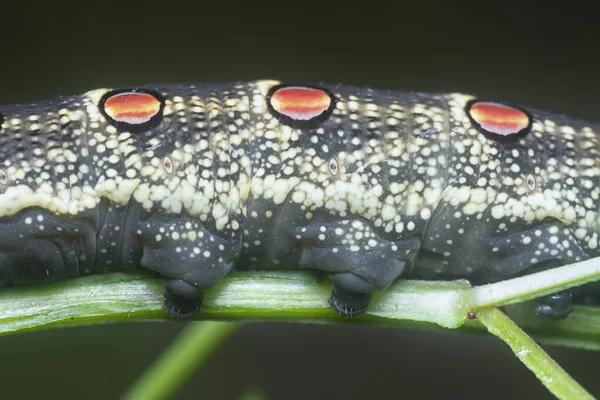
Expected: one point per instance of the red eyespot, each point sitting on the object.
(300, 105)
(132, 108)
(498, 119)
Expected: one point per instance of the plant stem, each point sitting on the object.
(188, 351)
(288, 296)
(528, 287)
(557, 380)
(301, 297)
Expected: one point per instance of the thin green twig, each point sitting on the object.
(556, 379)
(518, 290)
(254, 394)
(187, 352)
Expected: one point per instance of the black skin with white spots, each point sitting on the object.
(385, 185)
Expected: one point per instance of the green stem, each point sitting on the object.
(301, 297)
(254, 394)
(172, 369)
(287, 296)
(518, 290)
(557, 380)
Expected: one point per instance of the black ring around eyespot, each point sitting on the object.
(296, 123)
(510, 138)
(125, 126)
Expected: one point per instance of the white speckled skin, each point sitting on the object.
(390, 184)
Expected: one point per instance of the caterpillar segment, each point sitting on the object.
(366, 186)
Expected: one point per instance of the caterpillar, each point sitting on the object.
(366, 186)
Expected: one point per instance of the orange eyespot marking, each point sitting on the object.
(300, 105)
(498, 119)
(132, 108)
(300, 102)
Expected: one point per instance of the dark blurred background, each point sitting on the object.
(540, 56)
